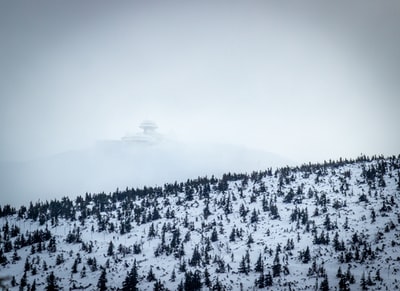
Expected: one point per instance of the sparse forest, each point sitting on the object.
(328, 226)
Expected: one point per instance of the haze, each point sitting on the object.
(308, 80)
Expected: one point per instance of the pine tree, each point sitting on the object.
(378, 275)
(15, 256)
(339, 273)
(276, 267)
(23, 282)
(324, 284)
(192, 281)
(158, 286)
(101, 283)
(3, 258)
(369, 280)
(74, 268)
(196, 257)
(173, 275)
(243, 212)
(150, 275)
(52, 247)
(254, 216)
(152, 231)
(110, 250)
(83, 272)
(268, 280)
(260, 282)
(243, 266)
(306, 257)
(259, 267)
(250, 240)
(206, 211)
(217, 286)
(27, 266)
(232, 235)
(131, 280)
(214, 235)
(207, 280)
(363, 282)
(52, 283)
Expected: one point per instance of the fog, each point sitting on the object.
(110, 165)
(307, 81)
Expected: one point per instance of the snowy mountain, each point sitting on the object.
(329, 226)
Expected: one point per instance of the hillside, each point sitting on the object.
(329, 226)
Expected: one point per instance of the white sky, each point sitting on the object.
(307, 81)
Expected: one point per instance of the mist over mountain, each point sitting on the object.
(109, 165)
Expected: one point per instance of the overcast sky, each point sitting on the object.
(306, 80)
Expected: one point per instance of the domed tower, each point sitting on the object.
(148, 126)
(148, 136)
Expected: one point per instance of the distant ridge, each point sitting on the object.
(119, 164)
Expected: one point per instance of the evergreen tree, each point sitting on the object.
(33, 287)
(23, 282)
(52, 283)
(324, 284)
(101, 283)
(74, 268)
(217, 286)
(207, 280)
(259, 267)
(52, 247)
(243, 212)
(158, 286)
(276, 267)
(150, 275)
(250, 240)
(305, 256)
(369, 280)
(339, 273)
(15, 256)
(110, 250)
(83, 272)
(378, 275)
(173, 275)
(3, 258)
(59, 259)
(232, 235)
(243, 266)
(254, 216)
(192, 281)
(206, 211)
(27, 265)
(196, 257)
(363, 282)
(268, 280)
(214, 235)
(260, 282)
(152, 231)
(131, 280)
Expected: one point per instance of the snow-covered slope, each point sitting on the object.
(331, 226)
